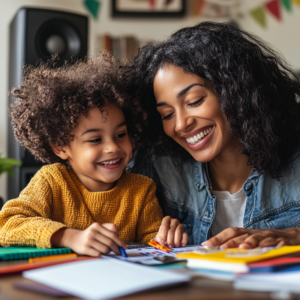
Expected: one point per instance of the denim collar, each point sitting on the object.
(201, 177)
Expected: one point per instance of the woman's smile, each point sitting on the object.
(199, 138)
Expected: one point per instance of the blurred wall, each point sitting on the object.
(282, 35)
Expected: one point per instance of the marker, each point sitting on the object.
(159, 246)
(123, 252)
(45, 258)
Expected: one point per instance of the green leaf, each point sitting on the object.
(6, 165)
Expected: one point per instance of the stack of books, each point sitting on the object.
(263, 269)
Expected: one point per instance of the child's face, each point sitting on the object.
(101, 148)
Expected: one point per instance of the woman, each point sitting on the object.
(221, 109)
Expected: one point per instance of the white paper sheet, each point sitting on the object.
(146, 255)
(103, 278)
(282, 281)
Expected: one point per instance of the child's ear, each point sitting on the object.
(60, 151)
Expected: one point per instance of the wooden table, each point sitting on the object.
(198, 288)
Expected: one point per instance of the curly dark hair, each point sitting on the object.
(257, 90)
(48, 104)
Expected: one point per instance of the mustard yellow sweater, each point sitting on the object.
(55, 198)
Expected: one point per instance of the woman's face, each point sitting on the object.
(191, 113)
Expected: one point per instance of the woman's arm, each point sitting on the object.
(252, 238)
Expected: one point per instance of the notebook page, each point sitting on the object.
(103, 278)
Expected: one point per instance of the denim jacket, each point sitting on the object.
(183, 193)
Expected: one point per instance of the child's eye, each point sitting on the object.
(120, 135)
(95, 140)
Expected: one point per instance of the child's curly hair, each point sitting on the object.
(48, 104)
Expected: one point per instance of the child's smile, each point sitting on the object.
(110, 164)
(101, 148)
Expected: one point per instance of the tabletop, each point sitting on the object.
(199, 288)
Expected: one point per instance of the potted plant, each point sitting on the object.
(6, 165)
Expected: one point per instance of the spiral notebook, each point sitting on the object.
(12, 253)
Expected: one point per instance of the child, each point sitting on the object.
(76, 119)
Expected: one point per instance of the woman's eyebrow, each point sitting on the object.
(180, 94)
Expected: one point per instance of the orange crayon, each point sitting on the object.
(44, 258)
(159, 246)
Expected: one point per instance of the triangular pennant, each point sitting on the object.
(297, 2)
(274, 8)
(93, 7)
(259, 16)
(287, 4)
(152, 3)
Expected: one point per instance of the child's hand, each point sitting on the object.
(97, 239)
(171, 233)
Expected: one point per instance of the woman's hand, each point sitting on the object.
(97, 239)
(171, 233)
(251, 238)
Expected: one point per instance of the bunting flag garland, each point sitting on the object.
(259, 16)
(274, 8)
(287, 4)
(93, 6)
(297, 2)
(198, 7)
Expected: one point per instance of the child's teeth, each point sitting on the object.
(199, 136)
(110, 162)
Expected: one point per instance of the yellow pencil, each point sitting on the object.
(36, 259)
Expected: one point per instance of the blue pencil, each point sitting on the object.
(123, 252)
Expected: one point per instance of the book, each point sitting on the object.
(275, 265)
(234, 260)
(31, 266)
(121, 47)
(104, 278)
(11, 253)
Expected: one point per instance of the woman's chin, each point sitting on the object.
(203, 155)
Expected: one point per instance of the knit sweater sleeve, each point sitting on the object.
(26, 220)
(150, 216)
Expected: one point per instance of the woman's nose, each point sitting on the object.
(182, 121)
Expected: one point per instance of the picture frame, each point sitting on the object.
(143, 9)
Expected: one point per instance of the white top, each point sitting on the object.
(230, 210)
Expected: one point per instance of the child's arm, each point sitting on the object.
(26, 219)
(97, 239)
(152, 224)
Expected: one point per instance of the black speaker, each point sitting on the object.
(37, 34)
